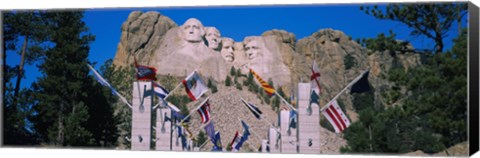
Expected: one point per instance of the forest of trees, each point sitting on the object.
(432, 115)
(65, 106)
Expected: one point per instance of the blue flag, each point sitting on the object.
(313, 99)
(217, 145)
(210, 130)
(181, 134)
(244, 137)
(292, 120)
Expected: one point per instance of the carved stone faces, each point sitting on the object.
(192, 30)
(213, 37)
(227, 49)
(253, 48)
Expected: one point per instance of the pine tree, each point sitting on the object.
(433, 20)
(232, 71)
(63, 93)
(32, 30)
(228, 81)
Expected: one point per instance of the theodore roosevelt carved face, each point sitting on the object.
(227, 49)
(192, 30)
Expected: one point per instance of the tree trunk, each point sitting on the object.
(370, 136)
(60, 130)
(20, 70)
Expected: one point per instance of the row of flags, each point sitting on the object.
(195, 87)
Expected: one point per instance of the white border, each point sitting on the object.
(87, 4)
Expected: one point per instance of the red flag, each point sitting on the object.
(145, 72)
(336, 117)
(315, 75)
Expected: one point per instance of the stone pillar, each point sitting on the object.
(163, 129)
(274, 141)
(289, 139)
(264, 145)
(308, 124)
(141, 115)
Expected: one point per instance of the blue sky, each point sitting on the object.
(239, 22)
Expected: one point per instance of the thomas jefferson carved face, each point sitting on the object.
(253, 48)
(192, 30)
(227, 49)
(213, 37)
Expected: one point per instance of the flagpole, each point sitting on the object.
(191, 112)
(285, 101)
(313, 72)
(204, 143)
(262, 117)
(164, 99)
(99, 77)
(344, 89)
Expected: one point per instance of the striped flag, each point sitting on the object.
(204, 112)
(336, 117)
(266, 87)
(315, 76)
(194, 86)
(256, 112)
(159, 90)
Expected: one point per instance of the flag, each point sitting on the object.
(336, 117)
(181, 135)
(292, 121)
(362, 84)
(144, 72)
(266, 87)
(104, 82)
(256, 112)
(313, 99)
(194, 86)
(178, 116)
(159, 90)
(233, 143)
(173, 107)
(166, 119)
(217, 145)
(210, 130)
(315, 75)
(243, 138)
(204, 112)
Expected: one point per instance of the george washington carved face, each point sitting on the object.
(213, 37)
(192, 30)
(227, 49)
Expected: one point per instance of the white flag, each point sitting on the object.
(194, 86)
